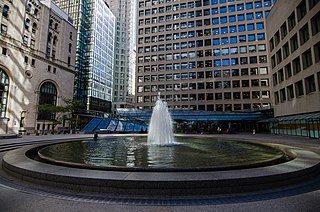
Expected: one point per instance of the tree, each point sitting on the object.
(60, 114)
(72, 109)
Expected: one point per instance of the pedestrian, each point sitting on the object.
(95, 136)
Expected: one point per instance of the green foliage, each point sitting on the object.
(62, 113)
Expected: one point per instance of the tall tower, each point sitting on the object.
(203, 55)
(95, 51)
(124, 69)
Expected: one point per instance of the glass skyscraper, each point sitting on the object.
(95, 51)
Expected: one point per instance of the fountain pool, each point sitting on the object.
(188, 153)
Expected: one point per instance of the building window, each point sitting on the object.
(299, 88)
(296, 65)
(294, 43)
(4, 51)
(304, 34)
(263, 59)
(26, 59)
(316, 48)
(36, 12)
(249, 6)
(25, 40)
(263, 70)
(27, 24)
(262, 47)
(279, 57)
(283, 30)
(5, 11)
(47, 96)
(70, 47)
(275, 79)
(315, 24)
(310, 84)
(260, 26)
(4, 29)
(4, 90)
(280, 76)
(312, 3)
(240, 17)
(249, 16)
(34, 27)
(283, 96)
(290, 92)
(288, 71)
(273, 61)
(277, 38)
(286, 51)
(291, 21)
(318, 76)
(276, 97)
(55, 39)
(301, 10)
(261, 36)
(306, 59)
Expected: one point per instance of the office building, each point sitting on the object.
(37, 59)
(125, 52)
(95, 25)
(203, 55)
(294, 39)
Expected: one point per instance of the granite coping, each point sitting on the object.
(305, 164)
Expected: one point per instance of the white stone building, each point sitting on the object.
(37, 59)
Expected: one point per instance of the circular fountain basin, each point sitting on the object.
(186, 154)
(158, 183)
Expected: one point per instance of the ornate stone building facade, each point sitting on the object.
(37, 63)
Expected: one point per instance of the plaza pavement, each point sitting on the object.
(304, 197)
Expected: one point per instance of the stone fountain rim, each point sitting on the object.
(305, 165)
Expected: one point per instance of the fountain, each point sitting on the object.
(156, 153)
(136, 165)
(114, 163)
(160, 128)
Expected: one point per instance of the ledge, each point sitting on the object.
(304, 166)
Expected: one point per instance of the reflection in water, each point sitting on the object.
(134, 152)
(160, 156)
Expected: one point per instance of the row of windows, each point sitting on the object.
(204, 85)
(191, 23)
(217, 107)
(210, 63)
(294, 67)
(286, 49)
(298, 89)
(222, 9)
(207, 52)
(201, 74)
(207, 32)
(199, 3)
(209, 96)
(207, 42)
(291, 22)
